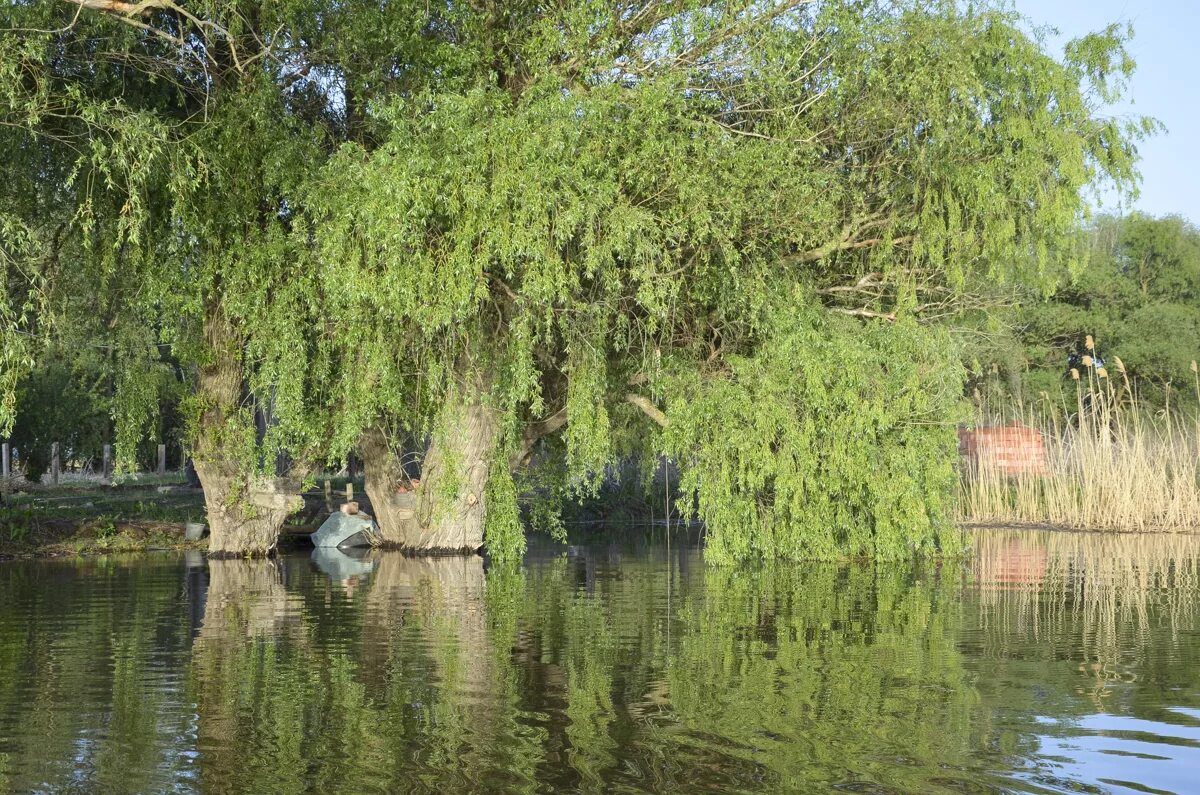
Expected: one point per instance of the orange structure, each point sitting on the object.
(1015, 448)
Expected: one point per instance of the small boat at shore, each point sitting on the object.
(347, 528)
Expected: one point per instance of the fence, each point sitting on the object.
(1014, 449)
(56, 470)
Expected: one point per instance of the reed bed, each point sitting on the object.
(1111, 463)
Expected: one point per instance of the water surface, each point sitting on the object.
(1043, 662)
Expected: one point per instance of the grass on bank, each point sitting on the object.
(83, 516)
(99, 535)
(84, 519)
(1111, 463)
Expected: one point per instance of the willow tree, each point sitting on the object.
(499, 234)
(158, 151)
(715, 231)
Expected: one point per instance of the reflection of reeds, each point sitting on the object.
(1110, 464)
(1101, 592)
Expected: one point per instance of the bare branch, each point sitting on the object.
(126, 9)
(649, 409)
(864, 312)
(129, 14)
(845, 244)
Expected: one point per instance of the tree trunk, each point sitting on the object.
(245, 510)
(245, 514)
(447, 510)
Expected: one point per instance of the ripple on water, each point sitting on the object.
(1046, 662)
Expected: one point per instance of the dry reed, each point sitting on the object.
(1110, 464)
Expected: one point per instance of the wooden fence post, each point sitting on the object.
(55, 464)
(106, 462)
(162, 459)
(5, 460)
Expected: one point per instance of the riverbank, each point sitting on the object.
(87, 518)
(84, 518)
(101, 536)
(1104, 461)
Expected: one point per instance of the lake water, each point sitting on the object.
(1042, 662)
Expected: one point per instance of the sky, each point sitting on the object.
(1166, 86)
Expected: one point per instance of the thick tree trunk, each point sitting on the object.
(245, 510)
(446, 512)
(245, 514)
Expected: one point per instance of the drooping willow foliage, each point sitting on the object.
(828, 439)
(719, 231)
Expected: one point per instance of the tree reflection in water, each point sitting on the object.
(1025, 667)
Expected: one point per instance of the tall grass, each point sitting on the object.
(1111, 463)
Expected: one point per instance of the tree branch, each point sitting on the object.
(126, 9)
(846, 244)
(890, 316)
(535, 431)
(129, 12)
(649, 409)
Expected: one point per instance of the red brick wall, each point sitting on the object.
(1014, 448)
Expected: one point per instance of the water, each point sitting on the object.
(1042, 663)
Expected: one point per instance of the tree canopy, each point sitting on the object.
(522, 239)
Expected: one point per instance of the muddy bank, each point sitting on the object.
(97, 536)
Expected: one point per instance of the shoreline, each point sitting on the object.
(100, 535)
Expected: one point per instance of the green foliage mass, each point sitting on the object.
(593, 219)
(18, 300)
(828, 440)
(52, 406)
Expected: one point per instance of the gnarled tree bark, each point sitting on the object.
(447, 510)
(245, 510)
(245, 514)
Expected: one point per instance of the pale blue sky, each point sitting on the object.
(1166, 46)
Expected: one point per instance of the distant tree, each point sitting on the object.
(53, 405)
(1138, 297)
